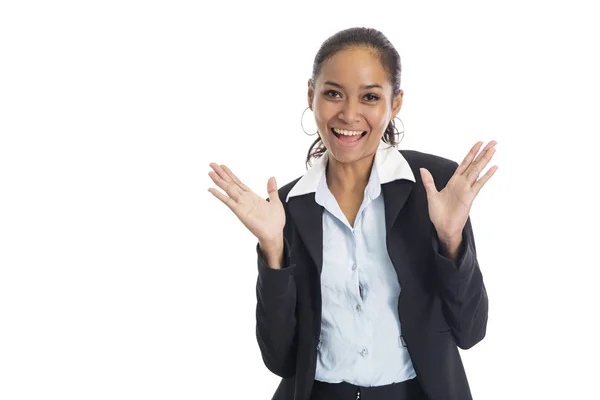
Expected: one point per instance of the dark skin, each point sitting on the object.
(353, 93)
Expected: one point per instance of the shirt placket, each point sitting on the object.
(358, 287)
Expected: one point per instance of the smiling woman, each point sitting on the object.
(355, 80)
(368, 279)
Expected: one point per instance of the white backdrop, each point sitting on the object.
(121, 277)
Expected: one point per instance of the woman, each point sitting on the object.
(368, 279)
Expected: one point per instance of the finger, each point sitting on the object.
(468, 159)
(234, 178)
(482, 181)
(226, 175)
(483, 152)
(479, 165)
(230, 188)
(228, 201)
(428, 182)
(272, 190)
(221, 172)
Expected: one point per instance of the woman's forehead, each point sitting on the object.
(354, 68)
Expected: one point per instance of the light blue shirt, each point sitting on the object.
(361, 337)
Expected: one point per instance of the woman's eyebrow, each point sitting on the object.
(371, 86)
(337, 85)
(362, 87)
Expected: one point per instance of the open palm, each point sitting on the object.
(450, 207)
(265, 219)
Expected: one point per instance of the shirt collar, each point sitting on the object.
(389, 165)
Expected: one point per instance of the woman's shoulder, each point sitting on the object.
(435, 164)
(423, 160)
(285, 190)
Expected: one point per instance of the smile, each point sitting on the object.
(348, 136)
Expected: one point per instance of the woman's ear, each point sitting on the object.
(311, 94)
(397, 104)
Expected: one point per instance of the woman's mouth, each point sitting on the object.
(348, 136)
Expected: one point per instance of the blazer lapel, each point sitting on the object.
(395, 194)
(308, 217)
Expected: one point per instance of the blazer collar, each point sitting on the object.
(389, 165)
(395, 175)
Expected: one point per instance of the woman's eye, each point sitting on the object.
(371, 97)
(332, 93)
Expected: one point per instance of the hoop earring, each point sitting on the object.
(302, 124)
(399, 133)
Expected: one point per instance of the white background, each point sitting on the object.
(121, 277)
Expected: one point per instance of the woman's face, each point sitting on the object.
(352, 103)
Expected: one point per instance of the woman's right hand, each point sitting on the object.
(265, 219)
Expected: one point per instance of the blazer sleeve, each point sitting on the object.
(465, 301)
(276, 315)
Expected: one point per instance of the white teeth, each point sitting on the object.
(347, 133)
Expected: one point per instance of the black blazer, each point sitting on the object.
(442, 305)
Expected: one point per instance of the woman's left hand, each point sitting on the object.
(450, 207)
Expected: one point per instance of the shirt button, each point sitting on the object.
(363, 352)
(358, 307)
(353, 267)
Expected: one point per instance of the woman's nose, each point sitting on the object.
(349, 112)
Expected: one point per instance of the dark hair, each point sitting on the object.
(388, 56)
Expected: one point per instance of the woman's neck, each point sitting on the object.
(349, 178)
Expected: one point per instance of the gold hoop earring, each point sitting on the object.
(302, 124)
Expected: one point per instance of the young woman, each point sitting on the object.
(368, 279)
